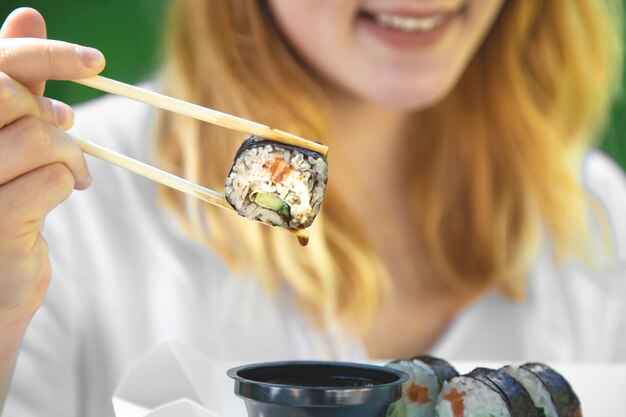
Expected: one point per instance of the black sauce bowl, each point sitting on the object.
(317, 389)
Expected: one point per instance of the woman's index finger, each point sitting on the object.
(31, 61)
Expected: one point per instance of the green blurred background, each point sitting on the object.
(128, 33)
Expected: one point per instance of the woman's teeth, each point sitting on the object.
(409, 23)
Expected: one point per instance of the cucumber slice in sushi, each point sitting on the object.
(277, 184)
(270, 201)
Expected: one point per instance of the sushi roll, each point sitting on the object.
(277, 184)
(551, 393)
(485, 393)
(419, 393)
(442, 369)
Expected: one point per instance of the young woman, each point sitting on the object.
(465, 216)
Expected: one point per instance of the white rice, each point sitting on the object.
(480, 400)
(538, 392)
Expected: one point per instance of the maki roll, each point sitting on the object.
(419, 393)
(277, 184)
(442, 369)
(551, 393)
(485, 393)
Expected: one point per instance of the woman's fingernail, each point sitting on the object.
(90, 57)
(84, 182)
(63, 114)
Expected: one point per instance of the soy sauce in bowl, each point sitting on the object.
(329, 382)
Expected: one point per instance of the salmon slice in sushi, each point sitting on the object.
(485, 393)
(419, 393)
(552, 394)
(277, 184)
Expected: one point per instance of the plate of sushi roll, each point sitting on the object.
(435, 389)
(276, 183)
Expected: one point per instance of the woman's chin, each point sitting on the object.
(410, 100)
(413, 94)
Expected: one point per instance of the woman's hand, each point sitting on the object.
(39, 164)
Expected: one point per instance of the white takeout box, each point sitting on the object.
(181, 408)
(172, 380)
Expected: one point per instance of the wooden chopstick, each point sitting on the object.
(198, 112)
(155, 174)
(165, 178)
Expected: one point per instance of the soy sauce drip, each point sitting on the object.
(302, 235)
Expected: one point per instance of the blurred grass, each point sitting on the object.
(614, 141)
(126, 31)
(129, 33)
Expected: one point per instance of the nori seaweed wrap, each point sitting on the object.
(277, 184)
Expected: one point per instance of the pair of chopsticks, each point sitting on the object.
(197, 112)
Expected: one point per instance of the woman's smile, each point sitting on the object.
(407, 28)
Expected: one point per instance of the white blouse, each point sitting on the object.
(126, 278)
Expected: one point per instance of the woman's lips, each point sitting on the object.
(405, 29)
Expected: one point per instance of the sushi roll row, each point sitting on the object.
(435, 389)
(277, 184)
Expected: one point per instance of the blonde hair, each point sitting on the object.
(481, 188)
